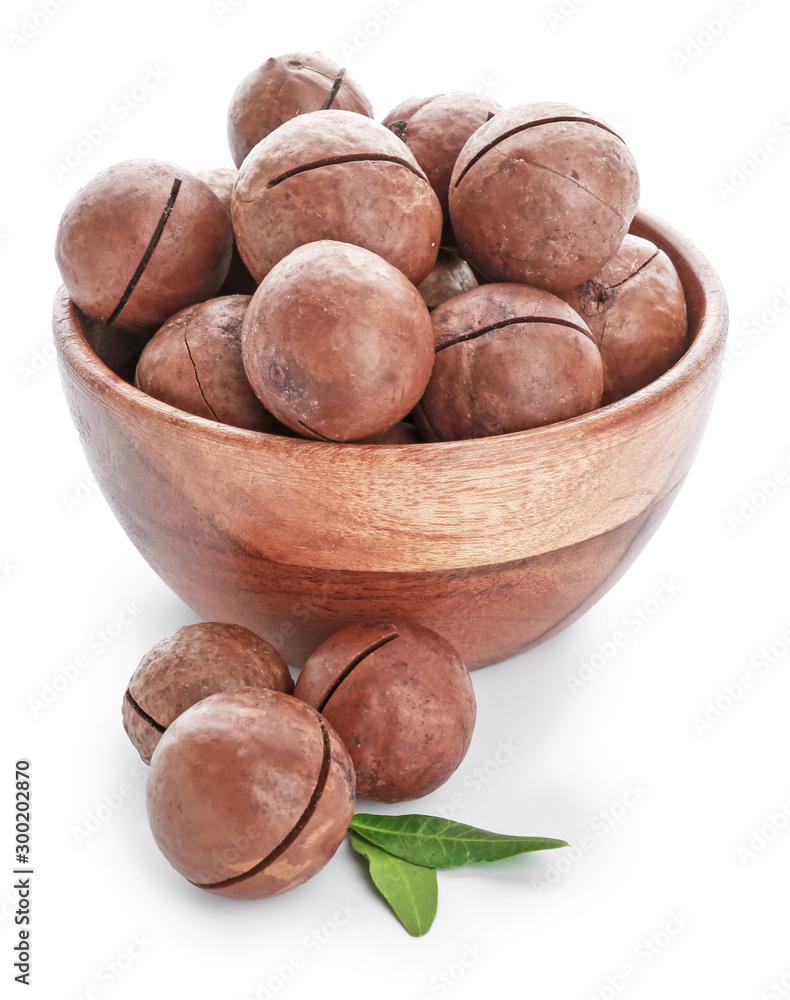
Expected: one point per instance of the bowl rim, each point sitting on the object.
(710, 319)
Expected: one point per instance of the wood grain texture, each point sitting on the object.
(495, 543)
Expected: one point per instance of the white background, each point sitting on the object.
(681, 888)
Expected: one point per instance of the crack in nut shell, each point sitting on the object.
(543, 194)
(335, 175)
(401, 700)
(194, 662)
(508, 357)
(286, 86)
(250, 793)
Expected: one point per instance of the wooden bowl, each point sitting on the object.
(496, 543)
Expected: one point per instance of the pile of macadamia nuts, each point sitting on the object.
(458, 271)
(253, 780)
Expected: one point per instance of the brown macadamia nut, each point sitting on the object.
(334, 175)
(337, 343)
(194, 362)
(238, 280)
(140, 241)
(508, 357)
(194, 662)
(636, 310)
(286, 86)
(450, 276)
(401, 700)
(543, 193)
(250, 793)
(436, 130)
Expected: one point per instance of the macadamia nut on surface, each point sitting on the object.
(250, 793)
(194, 662)
(401, 700)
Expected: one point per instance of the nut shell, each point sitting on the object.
(194, 662)
(401, 700)
(509, 357)
(636, 310)
(283, 87)
(335, 175)
(543, 193)
(122, 214)
(437, 129)
(337, 343)
(194, 362)
(250, 793)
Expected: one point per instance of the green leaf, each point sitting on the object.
(442, 843)
(411, 890)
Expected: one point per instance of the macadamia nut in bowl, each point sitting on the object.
(496, 543)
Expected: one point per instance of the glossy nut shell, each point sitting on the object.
(250, 793)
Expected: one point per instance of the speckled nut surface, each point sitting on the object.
(286, 86)
(250, 793)
(194, 662)
(436, 130)
(450, 276)
(194, 362)
(140, 241)
(335, 175)
(636, 310)
(543, 193)
(401, 700)
(508, 357)
(337, 343)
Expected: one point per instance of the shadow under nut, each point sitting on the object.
(250, 793)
